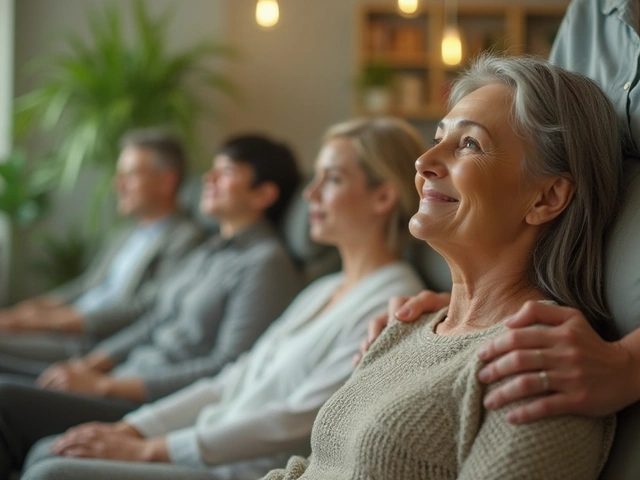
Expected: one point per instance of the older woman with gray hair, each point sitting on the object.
(517, 194)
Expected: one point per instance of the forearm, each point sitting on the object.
(44, 317)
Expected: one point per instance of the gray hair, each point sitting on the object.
(571, 129)
(168, 152)
(387, 150)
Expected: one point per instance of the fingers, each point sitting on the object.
(375, 328)
(535, 312)
(373, 331)
(47, 377)
(90, 427)
(55, 378)
(88, 436)
(514, 362)
(426, 301)
(522, 386)
(77, 451)
(69, 441)
(125, 428)
(396, 303)
(543, 407)
(524, 338)
(404, 308)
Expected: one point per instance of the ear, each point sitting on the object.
(265, 195)
(554, 196)
(385, 198)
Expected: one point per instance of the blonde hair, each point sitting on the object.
(387, 149)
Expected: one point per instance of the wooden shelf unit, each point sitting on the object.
(411, 47)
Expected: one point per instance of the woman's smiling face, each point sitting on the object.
(471, 183)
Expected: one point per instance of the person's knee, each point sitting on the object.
(39, 452)
(50, 469)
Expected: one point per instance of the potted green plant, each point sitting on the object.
(64, 256)
(97, 89)
(24, 198)
(375, 83)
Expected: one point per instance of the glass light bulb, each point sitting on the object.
(267, 13)
(451, 46)
(408, 7)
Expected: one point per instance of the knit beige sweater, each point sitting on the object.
(413, 410)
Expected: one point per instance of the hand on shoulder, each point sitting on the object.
(580, 372)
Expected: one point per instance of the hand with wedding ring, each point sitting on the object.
(567, 367)
(545, 379)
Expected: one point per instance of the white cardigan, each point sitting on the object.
(265, 403)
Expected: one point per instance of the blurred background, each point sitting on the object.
(322, 62)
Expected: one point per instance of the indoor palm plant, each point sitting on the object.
(97, 89)
(24, 198)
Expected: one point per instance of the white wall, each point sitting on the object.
(297, 77)
(6, 76)
(6, 93)
(41, 23)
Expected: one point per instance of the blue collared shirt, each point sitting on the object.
(599, 39)
(126, 261)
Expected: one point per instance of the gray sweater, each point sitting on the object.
(211, 310)
(413, 410)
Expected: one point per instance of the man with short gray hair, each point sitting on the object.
(121, 283)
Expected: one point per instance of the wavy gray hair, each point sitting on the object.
(570, 128)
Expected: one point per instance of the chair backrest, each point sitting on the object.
(623, 295)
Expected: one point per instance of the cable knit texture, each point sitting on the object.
(413, 410)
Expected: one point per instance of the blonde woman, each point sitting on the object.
(258, 411)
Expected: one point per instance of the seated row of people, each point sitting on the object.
(503, 195)
(121, 283)
(262, 406)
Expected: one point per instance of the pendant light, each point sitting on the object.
(408, 8)
(267, 13)
(451, 42)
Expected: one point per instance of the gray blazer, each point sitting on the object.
(160, 260)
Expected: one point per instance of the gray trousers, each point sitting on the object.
(31, 353)
(42, 464)
(62, 468)
(28, 414)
